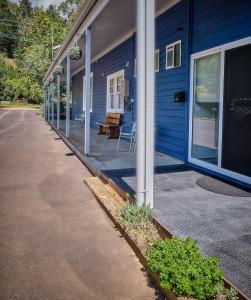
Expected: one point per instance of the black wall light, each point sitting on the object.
(180, 96)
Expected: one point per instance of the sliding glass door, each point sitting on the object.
(220, 110)
(206, 101)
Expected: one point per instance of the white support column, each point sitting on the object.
(87, 90)
(45, 99)
(49, 104)
(68, 87)
(58, 101)
(52, 102)
(145, 100)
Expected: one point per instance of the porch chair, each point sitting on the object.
(131, 134)
(79, 118)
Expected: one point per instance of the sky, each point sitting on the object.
(44, 3)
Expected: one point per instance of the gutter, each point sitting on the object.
(83, 13)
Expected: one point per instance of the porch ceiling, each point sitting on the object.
(117, 20)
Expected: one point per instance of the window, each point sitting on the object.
(173, 55)
(91, 90)
(156, 60)
(156, 63)
(115, 92)
(135, 67)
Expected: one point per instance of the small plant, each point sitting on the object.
(75, 53)
(223, 293)
(137, 221)
(183, 269)
(131, 214)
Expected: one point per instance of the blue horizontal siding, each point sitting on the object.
(219, 22)
(170, 118)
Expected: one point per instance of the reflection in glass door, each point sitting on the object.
(220, 110)
(206, 99)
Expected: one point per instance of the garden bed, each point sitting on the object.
(139, 240)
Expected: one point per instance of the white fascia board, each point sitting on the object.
(77, 30)
(124, 37)
(89, 20)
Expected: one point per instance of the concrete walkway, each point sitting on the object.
(56, 241)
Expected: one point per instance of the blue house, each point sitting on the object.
(198, 103)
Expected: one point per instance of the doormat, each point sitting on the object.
(217, 186)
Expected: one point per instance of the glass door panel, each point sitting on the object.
(206, 99)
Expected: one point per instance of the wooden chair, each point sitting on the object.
(110, 125)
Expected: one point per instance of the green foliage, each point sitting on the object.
(131, 213)
(137, 221)
(223, 293)
(183, 269)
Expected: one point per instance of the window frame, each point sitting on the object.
(158, 66)
(91, 90)
(109, 77)
(157, 51)
(173, 54)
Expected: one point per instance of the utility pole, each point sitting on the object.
(52, 42)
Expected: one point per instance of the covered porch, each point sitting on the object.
(186, 201)
(104, 153)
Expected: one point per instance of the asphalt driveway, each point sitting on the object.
(56, 242)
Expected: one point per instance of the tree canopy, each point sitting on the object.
(27, 35)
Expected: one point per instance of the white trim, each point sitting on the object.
(135, 68)
(227, 46)
(84, 85)
(107, 50)
(167, 49)
(158, 67)
(216, 168)
(123, 38)
(156, 70)
(81, 29)
(109, 77)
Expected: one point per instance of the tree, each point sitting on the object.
(25, 8)
(52, 11)
(9, 27)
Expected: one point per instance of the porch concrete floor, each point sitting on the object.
(221, 224)
(104, 154)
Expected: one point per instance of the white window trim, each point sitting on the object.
(113, 75)
(84, 87)
(135, 68)
(216, 168)
(169, 46)
(156, 69)
(157, 52)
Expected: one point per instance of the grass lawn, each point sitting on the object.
(18, 105)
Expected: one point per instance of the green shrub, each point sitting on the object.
(131, 214)
(183, 269)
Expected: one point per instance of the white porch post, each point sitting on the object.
(52, 102)
(68, 86)
(58, 101)
(87, 90)
(49, 104)
(45, 96)
(145, 100)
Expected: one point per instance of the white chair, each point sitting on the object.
(130, 134)
(79, 118)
